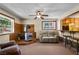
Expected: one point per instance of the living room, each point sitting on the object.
(41, 29)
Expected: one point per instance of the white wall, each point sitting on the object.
(38, 24)
(5, 38)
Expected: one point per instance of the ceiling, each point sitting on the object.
(23, 10)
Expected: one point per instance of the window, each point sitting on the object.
(6, 24)
(49, 25)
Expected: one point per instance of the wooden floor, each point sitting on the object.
(45, 49)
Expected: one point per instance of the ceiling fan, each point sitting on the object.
(39, 14)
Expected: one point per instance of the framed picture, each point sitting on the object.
(49, 25)
(6, 24)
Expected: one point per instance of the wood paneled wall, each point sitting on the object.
(18, 28)
(31, 29)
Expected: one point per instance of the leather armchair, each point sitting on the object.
(10, 48)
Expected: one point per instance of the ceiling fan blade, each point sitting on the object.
(35, 18)
(44, 15)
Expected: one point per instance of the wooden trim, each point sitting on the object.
(7, 16)
(5, 34)
(73, 13)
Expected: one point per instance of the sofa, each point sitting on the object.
(49, 36)
(9, 48)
